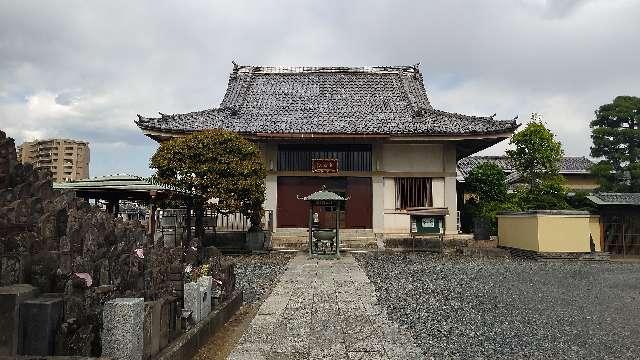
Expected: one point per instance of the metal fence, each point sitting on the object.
(174, 220)
(622, 235)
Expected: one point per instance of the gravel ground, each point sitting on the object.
(463, 307)
(256, 274)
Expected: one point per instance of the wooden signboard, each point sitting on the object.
(325, 166)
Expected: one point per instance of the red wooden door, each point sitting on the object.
(360, 206)
(292, 212)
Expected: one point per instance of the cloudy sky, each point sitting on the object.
(83, 70)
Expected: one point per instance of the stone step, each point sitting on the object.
(304, 231)
(301, 243)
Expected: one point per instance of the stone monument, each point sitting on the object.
(122, 332)
(193, 293)
(205, 282)
(10, 299)
(40, 319)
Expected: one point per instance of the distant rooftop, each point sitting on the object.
(632, 199)
(127, 186)
(569, 165)
(57, 139)
(382, 100)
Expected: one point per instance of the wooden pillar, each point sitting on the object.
(187, 220)
(113, 207)
(152, 219)
(337, 207)
(310, 227)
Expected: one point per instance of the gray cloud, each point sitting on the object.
(84, 70)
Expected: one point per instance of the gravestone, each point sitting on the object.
(168, 320)
(12, 269)
(193, 293)
(205, 282)
(10, 299)
(122, 332)
(152, 315)
(39, 322)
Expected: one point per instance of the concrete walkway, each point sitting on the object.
(324, 309)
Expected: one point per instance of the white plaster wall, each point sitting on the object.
(389, 193)
(271, 197)
(437, 192)
(419, 159)
(377, 184)
(451, 202)
(412, 158)
(396, 223)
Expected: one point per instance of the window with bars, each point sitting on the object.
(351, 157)
(413, 192)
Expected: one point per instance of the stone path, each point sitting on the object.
(324, 309)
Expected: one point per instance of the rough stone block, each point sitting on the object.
(193, 299)
(206, 282)
(39, 322)
(13, 269)
(123, 329)
(10, 299)
(152, 317)
(168, 320)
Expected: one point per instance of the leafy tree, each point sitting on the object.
(615, 132)
(579, 201)
(549, 195)
(218, 165)
(488, 182)
(536, 157)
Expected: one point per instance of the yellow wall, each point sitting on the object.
(548, 233)
(580, 181)
(558, 233)
(520, 232)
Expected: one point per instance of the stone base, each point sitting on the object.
(10, 299)
(39, 321)
(535, 255)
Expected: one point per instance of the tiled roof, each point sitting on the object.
(616, 198)
(130, 183)
(569, 165)
(329, 100)
(323, 195)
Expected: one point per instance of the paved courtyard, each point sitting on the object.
(324, 309)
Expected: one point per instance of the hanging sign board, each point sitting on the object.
(325, 166)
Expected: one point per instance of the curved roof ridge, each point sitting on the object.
(256, 69)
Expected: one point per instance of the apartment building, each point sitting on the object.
(67, 159)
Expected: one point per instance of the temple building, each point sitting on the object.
(368, 133)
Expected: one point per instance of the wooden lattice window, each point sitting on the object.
(413, 192)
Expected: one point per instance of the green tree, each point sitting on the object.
(536, 157)
(615, 132)
(218, 165)
(488, 182)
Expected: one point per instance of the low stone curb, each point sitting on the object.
(187, 345)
